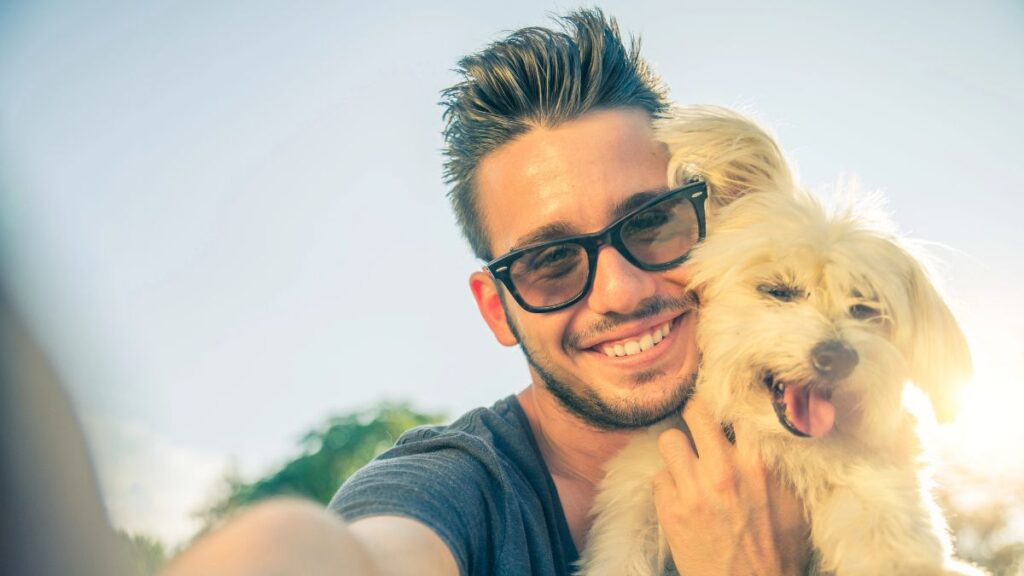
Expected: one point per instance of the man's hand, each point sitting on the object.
(723, 513)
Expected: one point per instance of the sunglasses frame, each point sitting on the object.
(695, 191)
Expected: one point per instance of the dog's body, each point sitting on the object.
(811, 325)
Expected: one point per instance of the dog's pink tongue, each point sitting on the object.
(809, 411)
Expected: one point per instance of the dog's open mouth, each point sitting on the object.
(803, 408)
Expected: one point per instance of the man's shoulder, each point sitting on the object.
(489, 452)
(479, 483)
(496, 426)
(483, 440)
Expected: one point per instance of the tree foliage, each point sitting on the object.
(329, 455)
(146, 555)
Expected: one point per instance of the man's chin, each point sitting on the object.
(648, 396)
(636, 411)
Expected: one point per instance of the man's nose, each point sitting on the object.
(619, 286)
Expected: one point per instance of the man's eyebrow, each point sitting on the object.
(552, 231)
(633, 202)
(563, 229)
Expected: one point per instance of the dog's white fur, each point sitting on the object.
(863, 485)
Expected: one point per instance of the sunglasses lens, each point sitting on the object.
(662, 234)
(550, 275)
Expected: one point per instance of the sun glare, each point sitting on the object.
(987, 434)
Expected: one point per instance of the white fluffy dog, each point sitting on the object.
(811, 324)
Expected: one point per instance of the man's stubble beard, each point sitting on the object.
(589, 407)
(586, 404)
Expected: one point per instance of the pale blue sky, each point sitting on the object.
(187, 190)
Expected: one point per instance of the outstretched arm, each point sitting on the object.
(297, 537)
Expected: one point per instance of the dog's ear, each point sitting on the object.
(728, 150)
(940, 360)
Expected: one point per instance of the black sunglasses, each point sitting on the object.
(658, 235)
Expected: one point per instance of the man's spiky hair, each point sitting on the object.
(537, 77)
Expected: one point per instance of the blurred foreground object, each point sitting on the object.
(53, 522)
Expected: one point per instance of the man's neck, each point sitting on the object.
(571, 448)
(575, 454)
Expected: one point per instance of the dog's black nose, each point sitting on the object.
(833, 359)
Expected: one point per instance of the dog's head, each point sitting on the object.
(818, 319)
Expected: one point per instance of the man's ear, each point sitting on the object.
(488, 301)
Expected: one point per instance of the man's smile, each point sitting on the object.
(634, 345)
(629, 347)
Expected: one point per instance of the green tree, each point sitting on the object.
(146, 555)
(329, 455)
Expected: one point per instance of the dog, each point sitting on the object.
(811, 324)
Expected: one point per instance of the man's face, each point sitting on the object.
(575, 179)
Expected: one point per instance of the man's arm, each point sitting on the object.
(400, 546)
(297, 537)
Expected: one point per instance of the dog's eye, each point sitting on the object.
(780, 292)
(863, 312)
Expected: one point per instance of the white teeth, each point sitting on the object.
(645, 343)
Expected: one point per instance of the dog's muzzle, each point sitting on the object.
(805, 408)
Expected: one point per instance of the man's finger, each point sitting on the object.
(666, 497)
(712, 445)
(679, 458)
(665, 490)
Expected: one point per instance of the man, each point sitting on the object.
(549, 138)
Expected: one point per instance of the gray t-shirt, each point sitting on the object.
(481, 484)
